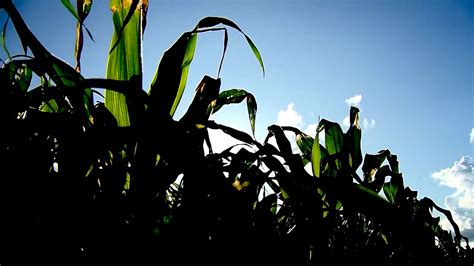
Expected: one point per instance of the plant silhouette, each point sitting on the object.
(125, 181)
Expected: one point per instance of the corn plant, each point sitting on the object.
(125, 180)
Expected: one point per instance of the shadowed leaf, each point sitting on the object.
(252, 110)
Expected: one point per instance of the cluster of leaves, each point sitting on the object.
(125, 180)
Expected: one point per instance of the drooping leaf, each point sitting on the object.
(213, 21)
(228, 97)
(449, 216)
(226, 40)
(379, 178)
(170, 78)
(372, 162)
(303, 141)
(282, 142)
(2, 38)
(305, 144)
(63, 75)
(233, 96)
(237, 134)
(252, 110)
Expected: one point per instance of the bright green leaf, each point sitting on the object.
(124, 62)
(316, 156)
(390, 190)
(67, 4)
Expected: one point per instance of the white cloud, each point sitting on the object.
(354, 100)
(460, 177)
(311, 130)
(471, 136)
(289, 117)
(368, 124)
(346, 121)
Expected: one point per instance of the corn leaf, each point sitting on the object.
(170, 78)
(390, 190)
(352, 139)
(2, 38)
(124, 62)
(171, 75)
(252, 110)
(237, 134)
(373, 162)
(283, 144)
(316, 156)
(229, 97)
(333, 138)
(214, 21)
(63, 75)
(67, 4)
(305, 144)
(206, 92)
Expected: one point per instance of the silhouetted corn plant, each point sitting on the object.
(123, 180)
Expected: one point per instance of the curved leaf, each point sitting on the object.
(373, 162)
(2, 38)
(237, 134)
(252, 110)
(228, 97)
(171, 76)
(282, 142)
(65, 77)
(214, 21)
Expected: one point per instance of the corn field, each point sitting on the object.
(125, 181)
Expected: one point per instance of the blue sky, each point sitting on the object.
(408, 65)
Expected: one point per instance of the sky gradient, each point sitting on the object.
(408, 66)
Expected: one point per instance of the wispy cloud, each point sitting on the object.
(311, 130)
(290, 117)
(471, 136)
(354, 100)
(460, 176)
(368, 124)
